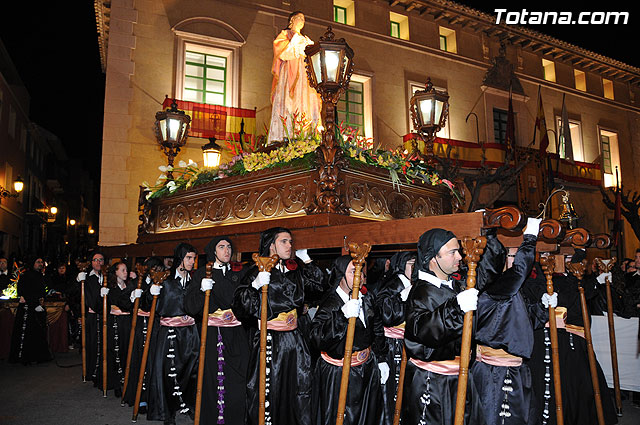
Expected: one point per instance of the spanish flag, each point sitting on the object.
(541, 127)
(221, 122)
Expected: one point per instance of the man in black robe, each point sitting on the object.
(291, 282)
(5, 280)
(227, 349)
(29, 337)
(93, 311)
(368, 370)
(173, 360)
(390, 301)
(434, 320)
(505, 324)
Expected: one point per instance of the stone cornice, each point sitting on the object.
(451, 13)
(103, 17)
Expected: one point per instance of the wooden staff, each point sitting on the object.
(606, 268)
(358, 253)
(577, 269)
(265, 264)
(141, 270)
(83, 334)
(547, 262)
(157, 278)
(403, 366)
(473, 249)
(203, 343)
(105, 304)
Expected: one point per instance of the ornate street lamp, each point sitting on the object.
(429, 110)
(172, 129)
(211, 153)
(568, 215)
(329, 68)
(18, 185)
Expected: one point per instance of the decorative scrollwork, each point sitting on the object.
(243, 205)
(577, 238)
(508, 218)
(376, 201)
(197, 212)
(550, 229)
(601, 241)
(356, 197)
(180, 216)
(268, 203)
(218, 209)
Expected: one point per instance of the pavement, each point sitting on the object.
(53, 393)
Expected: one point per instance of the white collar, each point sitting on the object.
(435, 281)
(405, 280)
(123, 286)
(345, 297)
(6, 272)
(183, 280)
(220, 266)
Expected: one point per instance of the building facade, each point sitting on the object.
(220, 52)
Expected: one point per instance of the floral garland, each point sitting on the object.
(298, 149)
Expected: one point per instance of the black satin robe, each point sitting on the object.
(29, 337)
(328, 334)
(163, 403)
(503, 322)
(142, 324)
(392, 311)
(118, 332)
(235, 351)
(289, 394)
(577, 390)
(93, 325)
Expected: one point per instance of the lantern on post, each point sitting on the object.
(429, 110)
(172, 129)
(329, 68)
(211, 153)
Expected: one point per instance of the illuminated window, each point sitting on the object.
(399, 25)
(575, 127)
(207, 73)
(354, 107)
(607, 85)
(448, 40)
(549, 70)
(344, 12)
(205, 77)
(610, 156)
(581, 80)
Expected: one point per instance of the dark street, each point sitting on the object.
(53, 393)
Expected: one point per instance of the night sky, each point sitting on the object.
(54, 46)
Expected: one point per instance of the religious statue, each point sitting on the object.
(290, 91)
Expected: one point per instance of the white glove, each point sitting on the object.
(104, 292)
(404, 294)
(602, 276)
(384, 372)
(550, 300)
(206, 284)
(136, 293)
(351, 308)
(39, 309)
(468, 299)
(262, 279)
(303, 255)
(533, 226)
(148, 280)
(81, 276)
(155, 290)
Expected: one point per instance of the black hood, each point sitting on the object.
(210, 249)
(429, 245)
(398, 262)
(268, 237)
(179, 253)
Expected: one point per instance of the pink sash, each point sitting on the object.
(143, 313)
(396, 332)
(223, 319)
(177, 321)
(444, 367)
(357, 358)
(496, 357)
(115, 310)
(285, 321)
